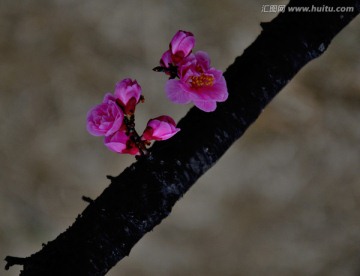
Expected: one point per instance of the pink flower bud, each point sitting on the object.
(105, 118)
(120, 142)
(182, 44)
(160, 128)
(180, 47)
(127, 94)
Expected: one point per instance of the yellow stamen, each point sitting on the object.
(202, 80)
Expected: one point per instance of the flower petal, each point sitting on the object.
(203, 59)
(207, 106)
(186, 46)
(220, 90)
(175, 92)
(166, 60)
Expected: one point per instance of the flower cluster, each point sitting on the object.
(191, 78)
(115, 120)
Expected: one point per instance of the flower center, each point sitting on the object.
(202, 80)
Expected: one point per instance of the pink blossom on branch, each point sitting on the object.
(127, 94)
(180, 47)
(114, 118)
(182, 43)
(105, 118)
(199, 83)
(160, 128)
(121, 142)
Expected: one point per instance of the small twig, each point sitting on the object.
(110, 177)
(14, 261)
(87, 199)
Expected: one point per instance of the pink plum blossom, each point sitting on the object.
(198, 83)
(105, 118)
(160, 128)
(127, 94)
(121, 142)
(180, 47)
(182, 43)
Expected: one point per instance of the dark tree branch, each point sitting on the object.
(87, 199)
(142, 196)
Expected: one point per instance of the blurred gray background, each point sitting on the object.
(284, 200)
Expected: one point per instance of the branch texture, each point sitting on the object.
(143, 195)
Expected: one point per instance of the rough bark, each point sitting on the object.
(143, 195)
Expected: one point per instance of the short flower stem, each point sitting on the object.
(129, 121)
